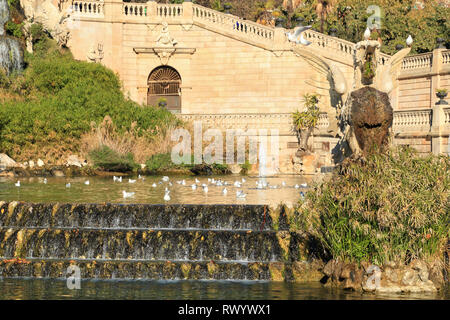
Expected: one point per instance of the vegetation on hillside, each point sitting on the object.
(388, 207)
(59, 106)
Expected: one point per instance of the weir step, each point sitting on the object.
(168, 270)
(217, 217)
(112, 241)
(148, 245)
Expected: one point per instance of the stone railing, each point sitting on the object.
(168, 11)
(135, 9)
(447, 117)
(88, 8)
(410, 120)
(245, 121)
(416, 120)
(419, 61)
(230, 23)
(446, 57)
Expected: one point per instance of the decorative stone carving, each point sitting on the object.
(367, 117)
(95, 53)
(57, 21)
(164, 39)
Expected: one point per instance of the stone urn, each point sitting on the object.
(303, 136)
(441, 95)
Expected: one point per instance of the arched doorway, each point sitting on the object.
(165, 83)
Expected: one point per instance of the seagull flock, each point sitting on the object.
(204, 187)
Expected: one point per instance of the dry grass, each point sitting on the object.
(142, 146)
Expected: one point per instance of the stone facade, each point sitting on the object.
(239, 74)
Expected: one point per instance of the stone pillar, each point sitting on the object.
(437, 126)
(151, 9)
(279, 38)
(187, 10)
(438, 112)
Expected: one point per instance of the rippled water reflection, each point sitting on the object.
(25, 289)
(103, 189)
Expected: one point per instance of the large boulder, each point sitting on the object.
(7, 162)
(371, 118)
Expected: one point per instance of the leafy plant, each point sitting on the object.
(441, 91)
(387, 207)
(307, 119)
(109, 160)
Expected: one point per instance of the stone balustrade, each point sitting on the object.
(233, 24)
(447, 117)
(417, 120)
(135, 9)
(88, 8)
(410, 120)
(446, 57)
(419, 61)
(168, 11)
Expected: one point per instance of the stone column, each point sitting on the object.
(151, 9)
(187, 10)
(438, 119)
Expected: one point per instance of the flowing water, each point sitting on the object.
(104, 189)
(11, 57)
(21, 289)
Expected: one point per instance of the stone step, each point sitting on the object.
(215, 217)
(161, 270)
(263, 246)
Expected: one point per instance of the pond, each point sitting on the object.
(151, 190)
(24, 289)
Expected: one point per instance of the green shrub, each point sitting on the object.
(61, 99)
(245, 167)
(109, 160)
(14, 29)
(391, 207)
(163, 162)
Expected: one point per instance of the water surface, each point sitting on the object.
(103, 189)
(25, 289)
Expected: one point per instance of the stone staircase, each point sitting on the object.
(106, 241)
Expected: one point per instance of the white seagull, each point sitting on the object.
(127, 194)
(224, 191)
(194, 187)
(409, 41)
(68, 185)
(131, 181)
(17, 184)
(165, 179)
(367, 34)
(292, 37)
(154, 185)
(304, 185)
(167, 195)
(303, 41)
(197, 181)
(87, 182)
(45, 180)
(240, 194)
